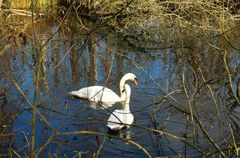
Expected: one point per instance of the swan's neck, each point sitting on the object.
(126, 107)
(125, 96)
(127, 103)
(122, 83)
(122, 94)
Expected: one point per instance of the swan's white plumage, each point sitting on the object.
(121, 118)
(96, 94)
(104, 94)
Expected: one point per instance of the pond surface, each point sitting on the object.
(170, 82)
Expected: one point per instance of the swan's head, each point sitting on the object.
(129, 76)
(123, 87)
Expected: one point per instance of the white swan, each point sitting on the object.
(122, 118)
(104, 94)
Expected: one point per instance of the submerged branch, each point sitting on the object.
(107, 135)
(203, 130)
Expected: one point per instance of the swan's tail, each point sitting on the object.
(75, 94)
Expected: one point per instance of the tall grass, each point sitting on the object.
(26, 4)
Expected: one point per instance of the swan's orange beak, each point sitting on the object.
(135, 81)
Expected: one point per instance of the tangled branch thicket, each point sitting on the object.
(186, 18)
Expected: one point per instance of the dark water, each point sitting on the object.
(101, 59)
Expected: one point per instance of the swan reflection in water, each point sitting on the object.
(123, 134)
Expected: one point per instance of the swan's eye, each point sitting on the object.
(123, 90)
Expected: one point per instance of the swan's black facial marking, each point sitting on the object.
(123, 90)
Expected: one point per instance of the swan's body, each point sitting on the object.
(104, 94)
(122, 118)
(96, 94)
